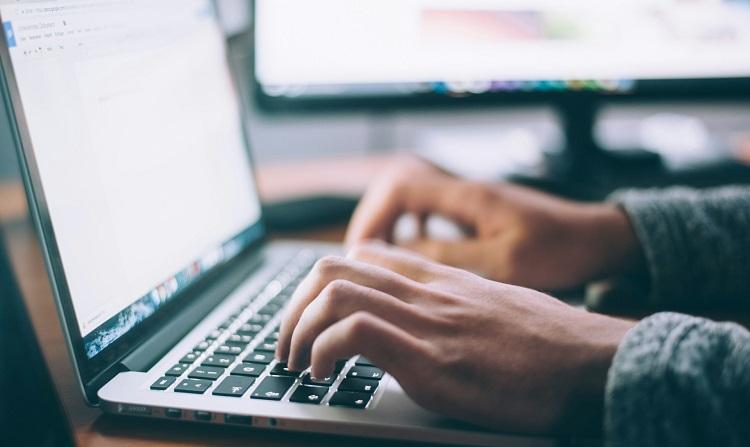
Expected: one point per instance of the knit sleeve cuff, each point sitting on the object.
(678, 380)
(656, 226)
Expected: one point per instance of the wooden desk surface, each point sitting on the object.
(91, 426)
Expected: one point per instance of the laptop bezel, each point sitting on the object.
(94, 372)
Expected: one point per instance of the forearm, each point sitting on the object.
(680, 381)
(696, 244)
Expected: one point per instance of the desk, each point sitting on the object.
(93, 428)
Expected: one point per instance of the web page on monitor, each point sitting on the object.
(332, 42)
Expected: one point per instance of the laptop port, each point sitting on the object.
(202, 416)
(173, 413)
(236, 419)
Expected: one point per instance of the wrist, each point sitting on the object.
(613, 241)
(601, 336)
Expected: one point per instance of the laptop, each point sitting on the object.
(28, 394)
(134, 155)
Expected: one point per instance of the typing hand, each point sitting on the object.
(501, 356)
(516, 235)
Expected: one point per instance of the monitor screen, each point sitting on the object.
(135, 128)
(331, 48)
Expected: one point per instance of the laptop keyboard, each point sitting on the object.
(237, 358)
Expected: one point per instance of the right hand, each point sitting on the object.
(516, 235)
(501, 356)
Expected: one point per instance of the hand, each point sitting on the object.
(516, 235)
(500, 356)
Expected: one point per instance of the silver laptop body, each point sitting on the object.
(132, 145)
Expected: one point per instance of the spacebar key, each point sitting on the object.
(273, 388)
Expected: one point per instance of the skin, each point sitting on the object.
(476, 349)
(515, 234)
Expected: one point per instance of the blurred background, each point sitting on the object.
(486, 139)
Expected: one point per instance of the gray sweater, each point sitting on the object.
(678, 380)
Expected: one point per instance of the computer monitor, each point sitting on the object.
(458, 48)
(397, 53)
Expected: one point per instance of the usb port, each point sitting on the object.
(173, 413)
(235, 419)
(202, 416)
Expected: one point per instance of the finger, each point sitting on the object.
(468, 254)
(405, 262)
(388, 346)
(385, 202)
(332, 268)
(338, 300)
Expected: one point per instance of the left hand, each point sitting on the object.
(492, 354)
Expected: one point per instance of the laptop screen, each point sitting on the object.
(136, 133)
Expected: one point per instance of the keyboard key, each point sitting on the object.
(363, 361)
(163, 383)
(214, 334)
(308, 394)
(273, 336)
(221, 360)
(190, 357)
(359, 385)
(248, 369)
(259, 319)
(239, 340)
(326, 381)
(270, 309)
(365, 372)
(259, 357)
(225, 325)
(202, 346)
(250, 329)
(206, 372)
(194, 386)
(266, 346)
(280, 369)
(340, 365)
(234, 386)
(351, 400)
(273, 388)
(227, 349)
(177, 370)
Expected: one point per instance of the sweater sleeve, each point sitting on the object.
(680, 381)
(696, 244)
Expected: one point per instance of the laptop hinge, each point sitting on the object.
(158, 344)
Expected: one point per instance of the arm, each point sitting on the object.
(680, 381)
(696, 244)
(487, 353)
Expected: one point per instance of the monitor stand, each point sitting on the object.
(585, 170)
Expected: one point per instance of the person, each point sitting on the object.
(461, 326)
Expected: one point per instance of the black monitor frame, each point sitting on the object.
(576, 109)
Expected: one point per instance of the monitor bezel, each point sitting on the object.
(93, 372)
(644, 90)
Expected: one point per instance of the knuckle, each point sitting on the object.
(337, 292)
(359, 326)
(483, 194)
(328, 265)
